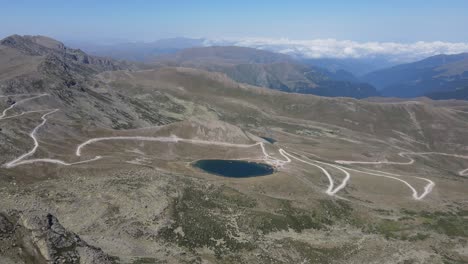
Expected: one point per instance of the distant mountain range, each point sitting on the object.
(434, 76)
(141, 51)
(356, 66)
(272, 70)
(437, 77)
(460, 94)
(148, 51)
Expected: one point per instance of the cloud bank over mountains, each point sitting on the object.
(332, 48)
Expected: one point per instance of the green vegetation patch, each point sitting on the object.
(146, 261)
(450, 226)
(389, 228)
(413, 225)
(310, 254)
(296, 219)
(453, 224)
(202, 218)
(289, 217)
(229, 222)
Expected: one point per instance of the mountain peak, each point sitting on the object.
(33, 45)
(51, 48)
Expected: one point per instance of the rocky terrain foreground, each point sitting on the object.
(97, 167)
(40, 238)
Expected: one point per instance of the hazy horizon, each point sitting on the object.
(361, 21)
(361, 29)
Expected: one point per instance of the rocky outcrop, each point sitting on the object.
(44, 46)
(6, 227)
(27, 45)
(38, 237)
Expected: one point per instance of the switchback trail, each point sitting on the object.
(4, 113)
(267, 158)
(409, 162)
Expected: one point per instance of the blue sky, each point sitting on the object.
(359, 20)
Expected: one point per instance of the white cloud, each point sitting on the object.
(332, 48)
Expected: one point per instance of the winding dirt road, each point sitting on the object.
(267, 158)
(409, 162)
(4, 113)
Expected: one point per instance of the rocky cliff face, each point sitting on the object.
(42, 46)
(68, 77)
(38, 237)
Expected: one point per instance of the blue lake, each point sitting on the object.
(234, 168)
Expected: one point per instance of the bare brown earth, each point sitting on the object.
(143, 201)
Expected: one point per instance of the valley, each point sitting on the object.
(108, 154)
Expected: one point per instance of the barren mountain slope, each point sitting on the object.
(110, 154)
